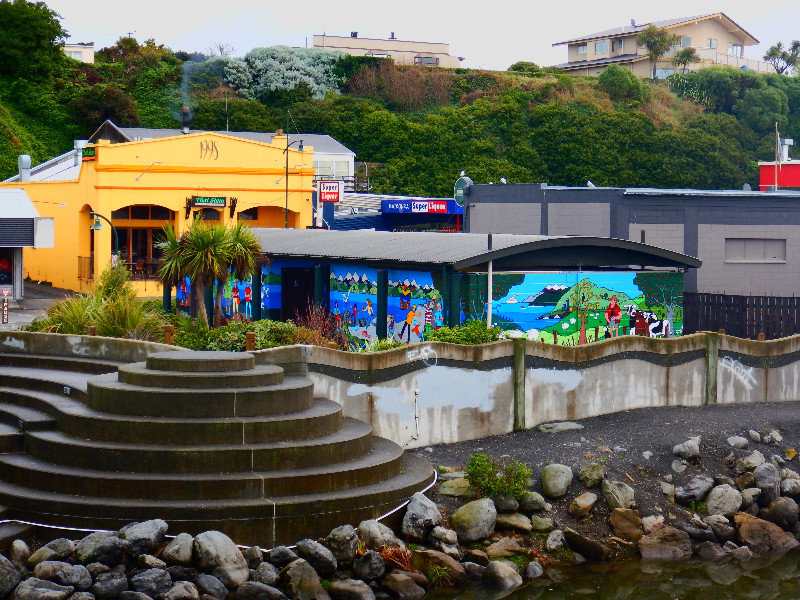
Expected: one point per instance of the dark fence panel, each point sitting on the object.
(741, 316)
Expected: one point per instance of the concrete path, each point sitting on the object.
(37, 299)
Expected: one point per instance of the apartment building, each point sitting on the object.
(81, 51)
(429, 54)
(716, 38)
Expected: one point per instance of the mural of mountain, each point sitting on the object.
(562, 305)
(549, 296)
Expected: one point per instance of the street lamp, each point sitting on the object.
(97, 225)
(286, 175)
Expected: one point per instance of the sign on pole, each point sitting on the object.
(330, 191)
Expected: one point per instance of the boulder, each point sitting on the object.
(376, 535)
(76, 576)
(652, 523)
(474, 521)
(695, 490)
(280, 556)
(421, 516)
(688, 450)
(127, 595)
(458, 488)
(500, 576)
(583, 504)
(153, 582)
(532, 502)
(148, 561)
(101, 546)
(556, 480)
(748, 463)
(477, 556)
(40, 555)
(343, 542)
(350, 589)
(790, 487)
(709, 551)
(318, 556)
(782, 512)
(626, 523)
(505, 504)
(514, 522)
(253, 556)
(182, 590)
(445, 540)
(425, 560)
(216, 554)
(724, 500)
(504, 547)
(541, 523)
(768, 480)
(617, 494)
(254, 590)
(18, 554)
(585, 546)
(10, 576)
(473, 570)
(370, 566)
(533, 570)
(721, 527)
(763, 537)
(591, 475)
(210, 586)
(266, 573)
(555, 540)
(145, 537)
(301, 582)
(402, 587)
(109, 585)
(34, 588)
(179, 573)
(178, 550)
(738, 441)
(666, 545)
(750, 496)
(62, 547)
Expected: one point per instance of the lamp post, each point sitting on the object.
(286, 175)
(97, 226)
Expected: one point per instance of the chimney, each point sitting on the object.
(79, 146)
(633, 23)
(24, 163)
(391, 37)
(354, 34)
(785, 143)
(186, 119)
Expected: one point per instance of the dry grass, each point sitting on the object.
(668, 110)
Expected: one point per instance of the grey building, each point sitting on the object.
(749, 241)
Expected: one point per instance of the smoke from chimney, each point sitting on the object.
(186, 119)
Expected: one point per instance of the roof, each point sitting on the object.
(581, 64)
(15, 204)
(667, 23)
(466, 251)
(321, 143)
(373, 201)
(60, 168)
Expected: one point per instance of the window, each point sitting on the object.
(756, 250)
(617, 45)
(76, 54)
(734, 49)
(581, 48)
(159, 213)
(251, 214)
(341, 168)
(426, 61)
(711, 43)
(664, 73)
(209, 214)
(122, 213)
(140, 212)
(683, 42)
(600, 47)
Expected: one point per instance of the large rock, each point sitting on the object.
(533, 570)
(543, 524)
(350, 589)
(532, 502)
(782, 512)
(64, 573)
(768, 480)
(343, 542)
(301, 582)
(585, 546)
(10, 576)
(501, 576)
(216, 553)
(695, 490)
(318, 556)
(505, 504)
(666, 545)
(514, 522)
(617, 494)
(475, 520)
(254, 556)
(254, 590)
(109, 585)
(153, 582)
(425, 560)
(724, 500)
(266, 573)
(62, 548)
(504, 547)
(18, 554)
(183, 590)
(763, 537)
(178, 550)
(790, 487)
(376, 535)
(34, 588)
(210, 586)
(421, 516)
(402, 587)
(445, 540)
(749, 462)
(583, 504)
(145, 537)
(370, 566)
(555, 540)
(626, 523)
(688, 450)
(591, 475)
(101, 546)
(280, 556)
(556, 480)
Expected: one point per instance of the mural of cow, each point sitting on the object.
(647, 323)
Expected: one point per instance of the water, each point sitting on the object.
(753, 580)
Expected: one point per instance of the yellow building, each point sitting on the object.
(140, 186)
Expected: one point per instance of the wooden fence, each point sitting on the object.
(742, 316)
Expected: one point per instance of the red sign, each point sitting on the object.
(428, 206)
(6, 293)
(330, 191)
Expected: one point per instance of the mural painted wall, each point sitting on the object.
(577, 308)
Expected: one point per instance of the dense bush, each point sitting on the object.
(507, 478)
(471, 332)
(622, 85)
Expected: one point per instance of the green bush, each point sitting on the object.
(470, 332)
(492, 478)
(620, 84)
(377, 345)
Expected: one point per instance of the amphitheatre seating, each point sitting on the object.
(204, 440)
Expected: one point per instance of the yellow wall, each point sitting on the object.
(164, 172)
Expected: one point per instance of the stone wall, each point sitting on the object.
(78, 346)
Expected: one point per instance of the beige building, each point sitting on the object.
(83, 52)
(430, 54)
(716, 38)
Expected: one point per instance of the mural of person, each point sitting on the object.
(408, 323)
(613, 316)
(437, 314)
(368, 308)
(248, 305)
(235, 297)
(227, 297)
(405, 297)
(337, 315)
(390, 322)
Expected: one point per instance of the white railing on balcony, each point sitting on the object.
(709, 54)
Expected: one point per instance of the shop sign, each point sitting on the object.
(421, 206)
(330, 191)
(88, 154)
(211, 201)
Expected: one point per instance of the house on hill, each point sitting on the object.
(716, 38)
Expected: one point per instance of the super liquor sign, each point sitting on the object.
(421, 206)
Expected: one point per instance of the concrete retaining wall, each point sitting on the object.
(79, 346)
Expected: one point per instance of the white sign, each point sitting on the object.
(330, 191)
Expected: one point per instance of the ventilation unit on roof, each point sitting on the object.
(353, 34)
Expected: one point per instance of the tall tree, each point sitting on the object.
(657, 41)
(684, 57)
(784, 59)
(662, 289)
(30, 39)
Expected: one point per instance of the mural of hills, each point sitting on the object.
(604, 294)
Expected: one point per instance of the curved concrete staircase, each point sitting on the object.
(204, 440)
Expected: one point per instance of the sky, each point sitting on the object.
(490, 35)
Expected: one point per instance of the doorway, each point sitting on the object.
(297, 292)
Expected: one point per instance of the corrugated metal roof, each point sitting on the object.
(459, 250)
(373, 201)
(15, 204)
(582, 64)
(60, 168)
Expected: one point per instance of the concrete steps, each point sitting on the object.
(204, 440)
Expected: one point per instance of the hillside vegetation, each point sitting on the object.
(420, 126)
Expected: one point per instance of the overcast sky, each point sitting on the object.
(489, 35)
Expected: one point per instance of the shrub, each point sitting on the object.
(492, 478)
(620, 84)
(320, 327)
(70, 315)
(377, 345)
(471, 332)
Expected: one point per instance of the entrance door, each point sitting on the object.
(297, 292)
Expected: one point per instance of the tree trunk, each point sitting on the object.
(582, 335)
(202, 315)
(218, 305)
(669, 319)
